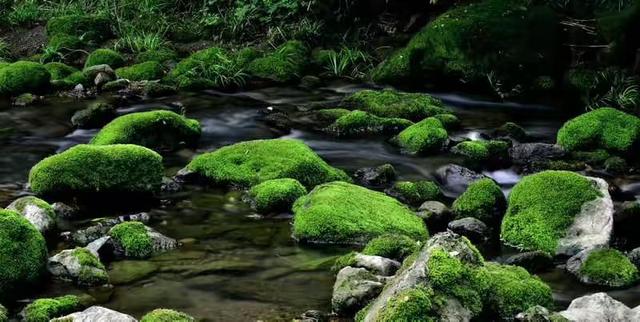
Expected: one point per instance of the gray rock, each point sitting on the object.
(454, 179)
(102, 227)
(97, 247)
(472, 228)
(40, 214)
(534, 261)
(353, 289)
(435, 214)
(539, 314)
(95, 314)
(64, 211)
(377, 264)
(68, 266)
(599, 307)
(93, 71)
(527, 153)
(375, 176)
(94, 116)
(634, 256)
(101, 79)
(159, 244)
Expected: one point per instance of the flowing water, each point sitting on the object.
(235, 265)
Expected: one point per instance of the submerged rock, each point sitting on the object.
(94, 116)
(353, 288)
(80, 266)
(37, 211)
(599, 307)
(96, 313)
(605, 267)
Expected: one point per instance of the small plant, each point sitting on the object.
(137, 41)
(617, 89)
(224, 74)
(25, 13)
(348, 63)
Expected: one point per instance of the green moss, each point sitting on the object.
(199, 60)
(513, 290)
(483, 200)
(287, 63)
(276, 195)
(583, 81)
(23, 254)
(23, 77)
(64, 42)
(158, 130)
(448, 120)
(144, 71)
(166, 315)
(19, 205)
(475, 151)
(363, 123)
(415, 193)
(134, 238)
(92, 271)
(512, 130)
(114, 168)
(541, 208)
(332, 114)
(59, 71)
(596, 157)
(246, 55)
(339, 212)
(604, 128)
(616, 165)
(392, 246)
(43, 310)
(609, 267)
(71, 81)
(425, 136)
(252, 162)
(343, 261)
(90, 28)
(105, 56)
(412, 305)
(159, 55)
(392, 103)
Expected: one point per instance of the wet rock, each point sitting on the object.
(375, 176)
(634, 257)
(279, 121)
(93, 71)
(511, 130)
(27, 99)
(599, 307)
(79, 266)
(472, 228)
(116, 85)
(353, 289)
(155, 89)
(377, 264)
(96, 313)
(94, 116)
(528, 153)
(126, 272)
(604, 267)
(539, 314)
(64, 211)
(310, 81)
(535, 261)
(436, 215)
(454, 179)
(170, 185)
(101, 228)
(37, 211)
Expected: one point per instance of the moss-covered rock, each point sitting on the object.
(543, 206)
(166, 315)
(65, 43)
(105, 56)
(23, 77)
(23, 254)
(286, 64)
(43, 310)
(615, 165)
(396, 247)
(92, 272)
(474, 151)
(604, 267)
(144, 71)
(276, 195)
(483, 200)
(59, 71)
(158, 130)
(512, 130)
(90, 28)
(156, 89)
(392, 103)
(158, 55)
(416, 304)
(134, 239)
(95, 116)
(415, 193)
(252, 162)
(37, 211)
(425, 136)
(71, 81)
(448, 120)
(604, 128)
(339, 212)
(114, 168)
(362, 123)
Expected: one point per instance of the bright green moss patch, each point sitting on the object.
(23, 202)
(604, 128)
(71, 81)
(159, 55)
(363, 123)
(332, 114)
(541, 208)
(144, 71)
(134, 239)
(425, 136)
(472, 150)
(92, 271)
(392, 246)
(415, 193)
(191, 66)
(166, 315)
(343, 261)
(43, 310)
(105, 56)
(23, 77)
(276, 195)
(252, 162)
(114, 168)
(158, 130)
(287, 63)
(90, 28)
(411, 305)
(339, 212)
(23, 254)
(392, 103)
(448, 120)
(609, 267)
(483, 200)
(59, 71)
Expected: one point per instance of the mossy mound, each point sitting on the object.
(23, 77)
(159, 55)
(43, 310)
(199, 61)
(23, 254)
(92, 271)
(134, 239)
(150, 70)
(166, 315)
(95, 116)
(90, 28)
(425, 136)
(252, 162)
(276, 195)
(362, 123)
(604, 128)
(477, 152)
(105, 56)
(415, 193)
(512, 130)
(392, 103)
(71, 81)
(392, 246)
(114, 168)
(286, 64)
(416, 304)
(343, 213)
(59, 71)
(541, 208)
(609, 267)
(448, 120)
(483, 200)
(158, 130)
(20, 204)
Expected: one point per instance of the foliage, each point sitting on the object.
(347, 62)
(25, 12)
(150, 70)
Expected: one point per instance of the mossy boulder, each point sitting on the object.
(166, 315)
(481, 152)
(117, 168)
(90, 28)
(23, 254)
(415, 193)
(143, 71)
(105, 56)
(512, 130)
(286, 64)
(158, 55)
(397, 247)
(37, 211)
(604, 128)
(428, 135)
(71, 81)
(132, 239)
(395, 104)
(95, 116)
(276, 195)
(448, 120)
(252, 162)
(483, 200)
(158, 130)
(543, 206)
(23, 77)
(343, 213)
(362, 123)
(59, 71)
(415, 304)
(603, 267)
(43, 310)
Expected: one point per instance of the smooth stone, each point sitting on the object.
(377, 264)
(94, 314)
(472, 228)
(534, 261)
(599, 307)
(375, 176)
(36, 215)
(436, 215)
(353, 289)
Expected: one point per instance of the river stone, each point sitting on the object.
(534, 261)
(67, 266)
(435, 214)
(36, 211)
(527, 153)
(454, 179)
(375, 176)
(472, 228)
(599, 307)
(93, 71)
(377, 264)
(353, 289)
(94, 314)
